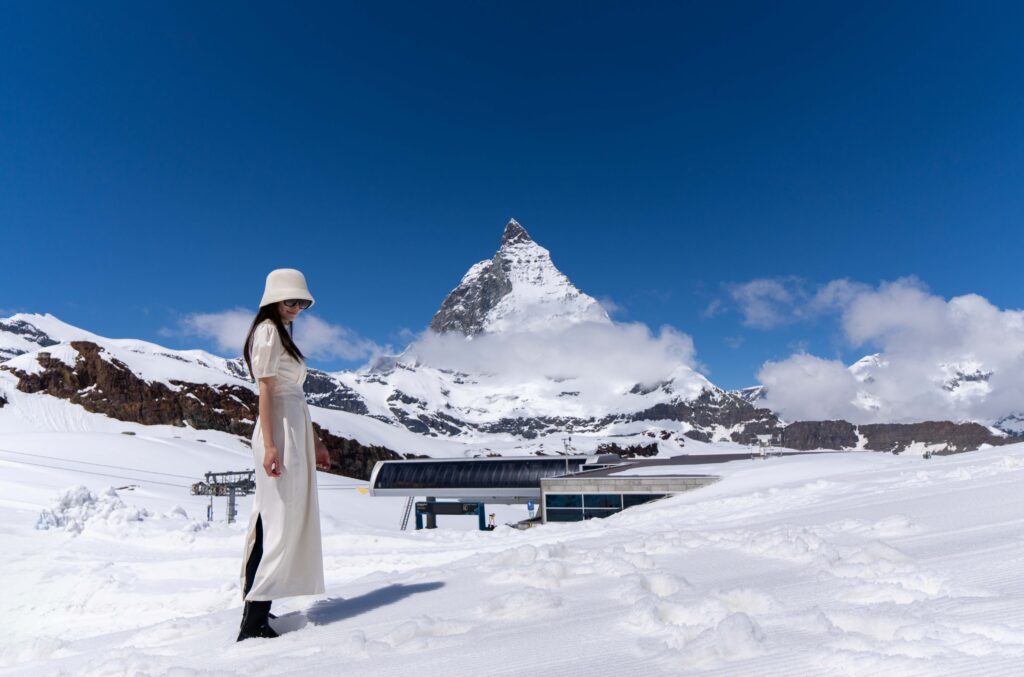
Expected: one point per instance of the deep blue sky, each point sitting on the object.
(157, 159)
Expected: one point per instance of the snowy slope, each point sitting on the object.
(834, 564)
(148, 360)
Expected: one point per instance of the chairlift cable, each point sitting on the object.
(101, 465)
(129, 469)
(101, 474)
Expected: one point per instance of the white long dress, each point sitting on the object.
(292, 562)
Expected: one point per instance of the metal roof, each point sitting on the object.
(506, 478)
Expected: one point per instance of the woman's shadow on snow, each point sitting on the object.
(337, 609)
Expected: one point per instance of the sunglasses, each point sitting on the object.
(301, 303)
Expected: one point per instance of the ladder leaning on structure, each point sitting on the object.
(408, 511)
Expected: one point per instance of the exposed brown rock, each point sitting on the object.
(351, 458)
(806, 435)
(699, 435)
(956, 436)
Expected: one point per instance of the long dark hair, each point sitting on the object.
(270, 312)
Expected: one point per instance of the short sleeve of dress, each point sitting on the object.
(266, 350)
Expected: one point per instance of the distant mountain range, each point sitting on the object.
(507, 299)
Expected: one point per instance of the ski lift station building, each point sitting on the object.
(566, 488)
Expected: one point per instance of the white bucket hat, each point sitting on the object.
(284, 284)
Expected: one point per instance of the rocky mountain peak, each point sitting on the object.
(514, 233)
(518, 289)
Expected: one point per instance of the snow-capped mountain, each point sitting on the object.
(518, 288)
(18, 336)
(507, 300)
(415, 403)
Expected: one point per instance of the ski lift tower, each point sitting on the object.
(230, 484)
(567, 440)
(569, 449)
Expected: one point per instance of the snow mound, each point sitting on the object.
(77, 506)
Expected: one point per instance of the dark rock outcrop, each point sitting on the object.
(323, 391)
(708, 409)
(632, 451)
(351, 458)
(238, 369)
(956, 436)
(958, 379)
(807, 435)
(514, 233)
(713, 408)
(427, 424)
(897, 437)
(465, 308)
(530, 428)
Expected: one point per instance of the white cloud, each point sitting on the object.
(315, 337)
(835, 295)
(766, 303)
(601, 355)
(923, 341)
(897, 313)
(227, 329)
(808, 388)
(714, 308)
(321, 339)
(610, 306)
(770, 302)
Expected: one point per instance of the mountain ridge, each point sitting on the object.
(504, 300)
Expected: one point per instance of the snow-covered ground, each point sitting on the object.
(854, 563)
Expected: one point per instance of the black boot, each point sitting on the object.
(254, 621)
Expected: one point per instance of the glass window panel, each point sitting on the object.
(590, 513)
(629, 500)
(602, 501)
(563, 515)
(564, 501)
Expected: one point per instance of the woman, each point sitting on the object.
(283, 555)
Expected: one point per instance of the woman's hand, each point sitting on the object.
(271, 461)
(323, 456)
